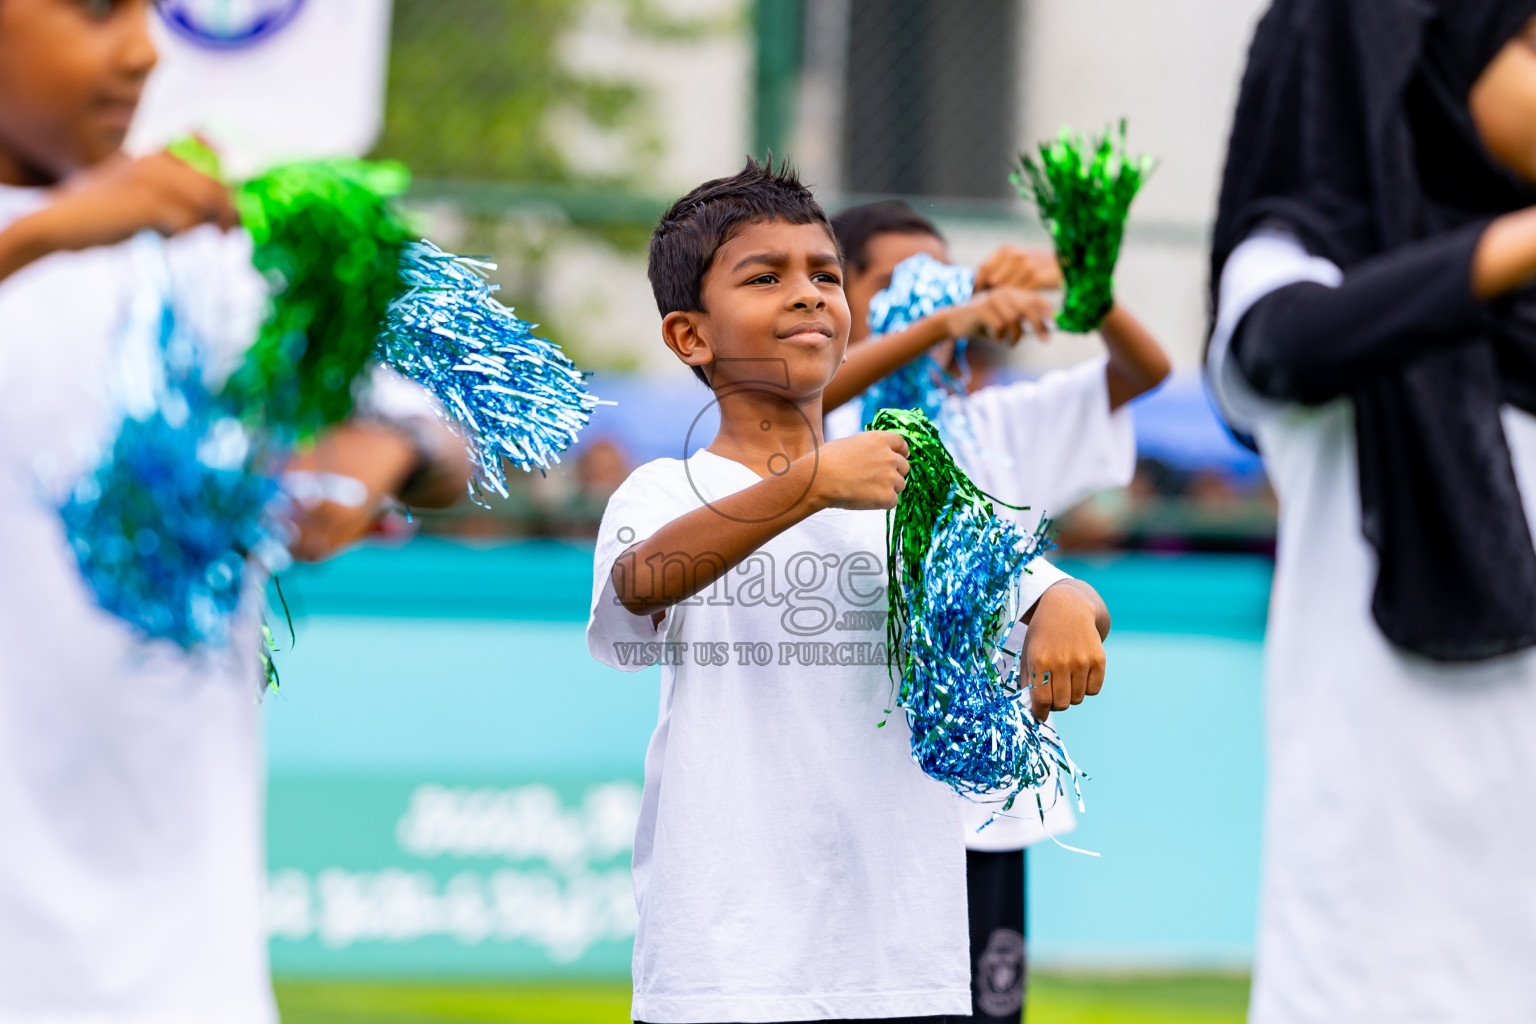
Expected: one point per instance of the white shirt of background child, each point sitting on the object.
(1046, 443)
(791, 861)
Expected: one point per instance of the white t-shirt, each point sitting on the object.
(130, 774)
(1047, 443)
(1399, 878)
(791, 861)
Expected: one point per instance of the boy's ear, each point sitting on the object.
(681, 331)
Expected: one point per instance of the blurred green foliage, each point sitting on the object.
(486, 97)
(473, 84)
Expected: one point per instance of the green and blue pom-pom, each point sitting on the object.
(955, 568)
(165, 526)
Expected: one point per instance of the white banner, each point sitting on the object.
(267, 80)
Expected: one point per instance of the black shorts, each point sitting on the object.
(995, 891)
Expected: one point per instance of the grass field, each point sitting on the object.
(1054, 999)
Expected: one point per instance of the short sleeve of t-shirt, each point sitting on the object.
(1268, 260)
(1050, 442)
(395, 397)
(653, 495)
(1039, 578)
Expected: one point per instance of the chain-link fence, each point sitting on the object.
(930, 97)
(535, 127)
(549, 134)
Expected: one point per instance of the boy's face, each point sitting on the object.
(882, 254)
(71, 73)
(775, 303)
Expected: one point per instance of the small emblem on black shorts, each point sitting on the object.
(1000, 974)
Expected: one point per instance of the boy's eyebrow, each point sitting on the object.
(768, 259)
(779, 259)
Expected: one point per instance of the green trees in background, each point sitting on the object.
(472, 85)
(475, 85)
(485, 99)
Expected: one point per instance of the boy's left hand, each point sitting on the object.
(1064, 647)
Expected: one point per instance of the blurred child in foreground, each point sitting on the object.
(131, 846)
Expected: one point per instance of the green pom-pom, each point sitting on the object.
(936, 489)
(197, 154)
(328, 240)
(1083, 190)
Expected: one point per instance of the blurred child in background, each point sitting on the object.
(131, 847)
(1046, 443)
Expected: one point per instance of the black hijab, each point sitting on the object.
(1352, 129)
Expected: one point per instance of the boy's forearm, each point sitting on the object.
(877, 358)
(1137, 363)
(1089, 595)
(1101, 620)
(688, 554)
(24, 241)
(442, 472)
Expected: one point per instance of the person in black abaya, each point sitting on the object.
(1374, 242)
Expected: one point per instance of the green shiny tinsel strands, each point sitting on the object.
(328, 240)
(955, 569)
(327, 237)
(1083, 191)
(935, 486)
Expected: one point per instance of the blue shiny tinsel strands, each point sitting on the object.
(163, 527)
(511, 394)
(920, 287)
(955, 570)
(972, 726)
(166, 523)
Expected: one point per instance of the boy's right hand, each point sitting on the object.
(867, 470)
(1000, 314)
(1026, 268)
(116, 201)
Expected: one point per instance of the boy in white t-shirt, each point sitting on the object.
(131, 875)
(1046, 443)
(791, 861)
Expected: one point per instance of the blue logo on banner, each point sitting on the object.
(228, 24)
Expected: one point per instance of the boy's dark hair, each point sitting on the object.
(855, 226)
(685, 241)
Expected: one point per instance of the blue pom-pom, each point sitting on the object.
(972, 726)
(510, 393)
(163, 528)
(920, 286)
